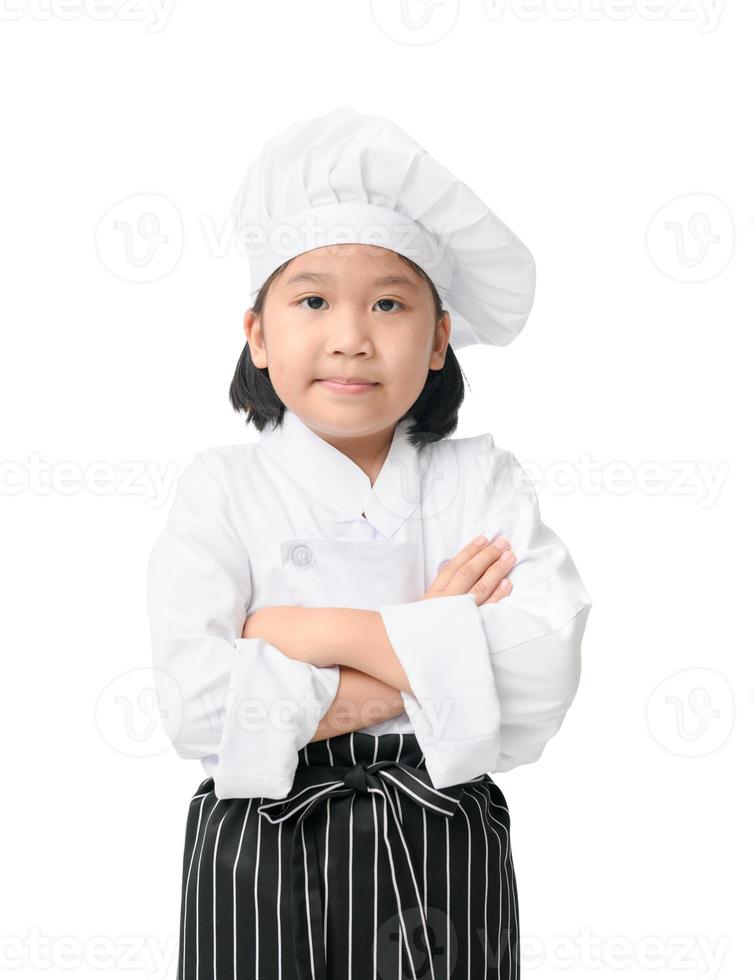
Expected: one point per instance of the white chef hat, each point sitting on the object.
(349, 177)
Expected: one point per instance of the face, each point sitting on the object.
(348, 312)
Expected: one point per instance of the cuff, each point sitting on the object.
(273, 707)
(454, 709)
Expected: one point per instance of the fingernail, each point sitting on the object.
(501, 543)
(480, 539)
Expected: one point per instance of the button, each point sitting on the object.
(302, 555)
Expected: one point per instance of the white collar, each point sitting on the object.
(331, 476)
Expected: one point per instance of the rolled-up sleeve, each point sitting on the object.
(240, 701)
(492, 682)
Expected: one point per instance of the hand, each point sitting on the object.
(479, 569)
(252, 628)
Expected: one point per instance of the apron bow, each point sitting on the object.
(315, 783)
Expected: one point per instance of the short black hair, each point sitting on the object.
(435, 410)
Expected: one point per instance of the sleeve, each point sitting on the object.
(240, 701)
(492, 683)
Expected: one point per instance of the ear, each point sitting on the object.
(255, 338)
(441, 342)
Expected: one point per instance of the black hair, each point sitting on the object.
(435, 411)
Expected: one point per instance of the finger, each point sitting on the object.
(503, 589)
(467, 574)
(448, 569)
(490, 581)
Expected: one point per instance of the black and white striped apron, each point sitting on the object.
(364, 871)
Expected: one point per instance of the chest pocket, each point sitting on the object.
(361, 574)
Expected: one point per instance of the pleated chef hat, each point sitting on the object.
(349, 177)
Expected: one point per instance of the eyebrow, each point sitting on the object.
(323, 276)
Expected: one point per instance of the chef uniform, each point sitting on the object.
(383, 852)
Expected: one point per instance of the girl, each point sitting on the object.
(356, 619)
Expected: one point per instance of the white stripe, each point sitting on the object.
(508, 858)
(384, 795)
(279, 895)
(235, 908)
(415, 886)
(486, 882)
(421, 801)
(327, 787)
(350, 888)
(198, 873)
(426, 851)
(256, 888)
(326, 877)
(448, 944)
(376, 885)
(502, 862)
(188, 881)
(468, 890)
(214, 893)
(308, 903)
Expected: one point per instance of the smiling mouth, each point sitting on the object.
(346, 386)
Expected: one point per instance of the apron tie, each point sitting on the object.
(315, 783)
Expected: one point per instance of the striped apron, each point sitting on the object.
(364, 871)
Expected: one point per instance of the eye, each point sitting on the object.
(388, 301)
(305, 298)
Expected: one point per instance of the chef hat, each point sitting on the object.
(349, 177)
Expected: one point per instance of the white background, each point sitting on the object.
(615, 139)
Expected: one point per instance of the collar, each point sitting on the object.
(331, 476)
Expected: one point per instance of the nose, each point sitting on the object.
(349, 332)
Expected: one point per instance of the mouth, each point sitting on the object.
(347, 385)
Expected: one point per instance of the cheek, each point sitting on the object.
(292, 352)
(408, 359)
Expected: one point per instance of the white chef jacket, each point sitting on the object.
(291, 520)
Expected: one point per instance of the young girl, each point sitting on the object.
(356, 618)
